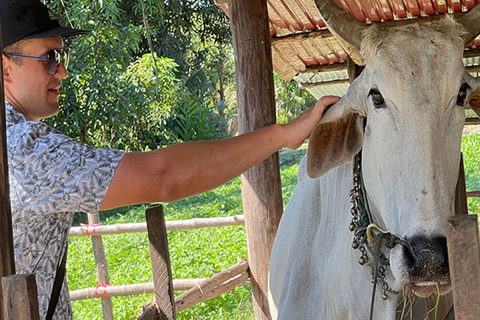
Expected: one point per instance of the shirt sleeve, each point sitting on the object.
(55, 173)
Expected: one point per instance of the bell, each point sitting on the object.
(355, 245)
(351, 227)
(361, 261)
(384, 295)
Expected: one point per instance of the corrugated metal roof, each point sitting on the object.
(336, 82)
(300, 39)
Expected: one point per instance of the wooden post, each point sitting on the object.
(464, 262)
(150, 312)
(7, 258)
(162, 270)
(261, 186)
(102, 268)
(461, 206)
(21, 301)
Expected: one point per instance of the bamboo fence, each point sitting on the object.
(197, 290)
(97, 229)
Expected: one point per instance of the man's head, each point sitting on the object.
(33, 60)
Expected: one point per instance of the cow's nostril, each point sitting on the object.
(409, 258)
(427, 258)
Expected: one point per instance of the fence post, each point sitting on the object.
(464, 262)
(20, 302)
(162, 270)
(102, 268)
(7, 258)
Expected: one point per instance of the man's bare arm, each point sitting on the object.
(187, 169)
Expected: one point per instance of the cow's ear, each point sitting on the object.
(475, 101)
(334, 143)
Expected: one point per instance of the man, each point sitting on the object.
(52, 176)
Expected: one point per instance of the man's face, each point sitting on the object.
(28, 86)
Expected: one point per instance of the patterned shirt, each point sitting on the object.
(51, 177)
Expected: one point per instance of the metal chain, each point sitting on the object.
(370, 245)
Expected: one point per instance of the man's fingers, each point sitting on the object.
(326, 101)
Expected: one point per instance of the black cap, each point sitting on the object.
(30, 19)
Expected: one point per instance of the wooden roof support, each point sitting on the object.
(261, 186)
(343, 66)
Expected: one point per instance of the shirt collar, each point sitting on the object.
(12, 115)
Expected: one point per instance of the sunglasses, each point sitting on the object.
(54, 58)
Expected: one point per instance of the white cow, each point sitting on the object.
(413, 93)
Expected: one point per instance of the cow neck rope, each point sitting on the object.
(369, 238)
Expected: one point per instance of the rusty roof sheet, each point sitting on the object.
(300, 39)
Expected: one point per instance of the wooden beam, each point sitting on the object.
(220, 283)
(7, 258)
(343, 66)
(21, 301)
(464, 262)
(473, 194)
(261, 186)
(471, 53)
(308, 85)
(473, 68)
(472, 121)
(297, 37)
(162, 270)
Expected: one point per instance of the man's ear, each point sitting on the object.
(334, 143)
(6, 67)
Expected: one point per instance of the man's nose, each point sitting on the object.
(62, 72)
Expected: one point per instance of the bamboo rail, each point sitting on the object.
(88, 230)
(135, 289)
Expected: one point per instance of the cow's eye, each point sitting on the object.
(377, 98)
(462, 94)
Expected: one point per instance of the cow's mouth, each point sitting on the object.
(425, 289)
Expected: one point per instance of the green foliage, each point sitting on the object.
(471, 150)
(118, 96)
(290, 99)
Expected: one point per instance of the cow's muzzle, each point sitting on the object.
(427, 264)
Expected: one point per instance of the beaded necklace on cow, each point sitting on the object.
(369, 238)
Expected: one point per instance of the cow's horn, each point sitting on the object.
(471, 23)
(346, 28)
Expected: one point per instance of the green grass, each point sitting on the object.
(196, 253)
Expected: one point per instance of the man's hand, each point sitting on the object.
(299, 128)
